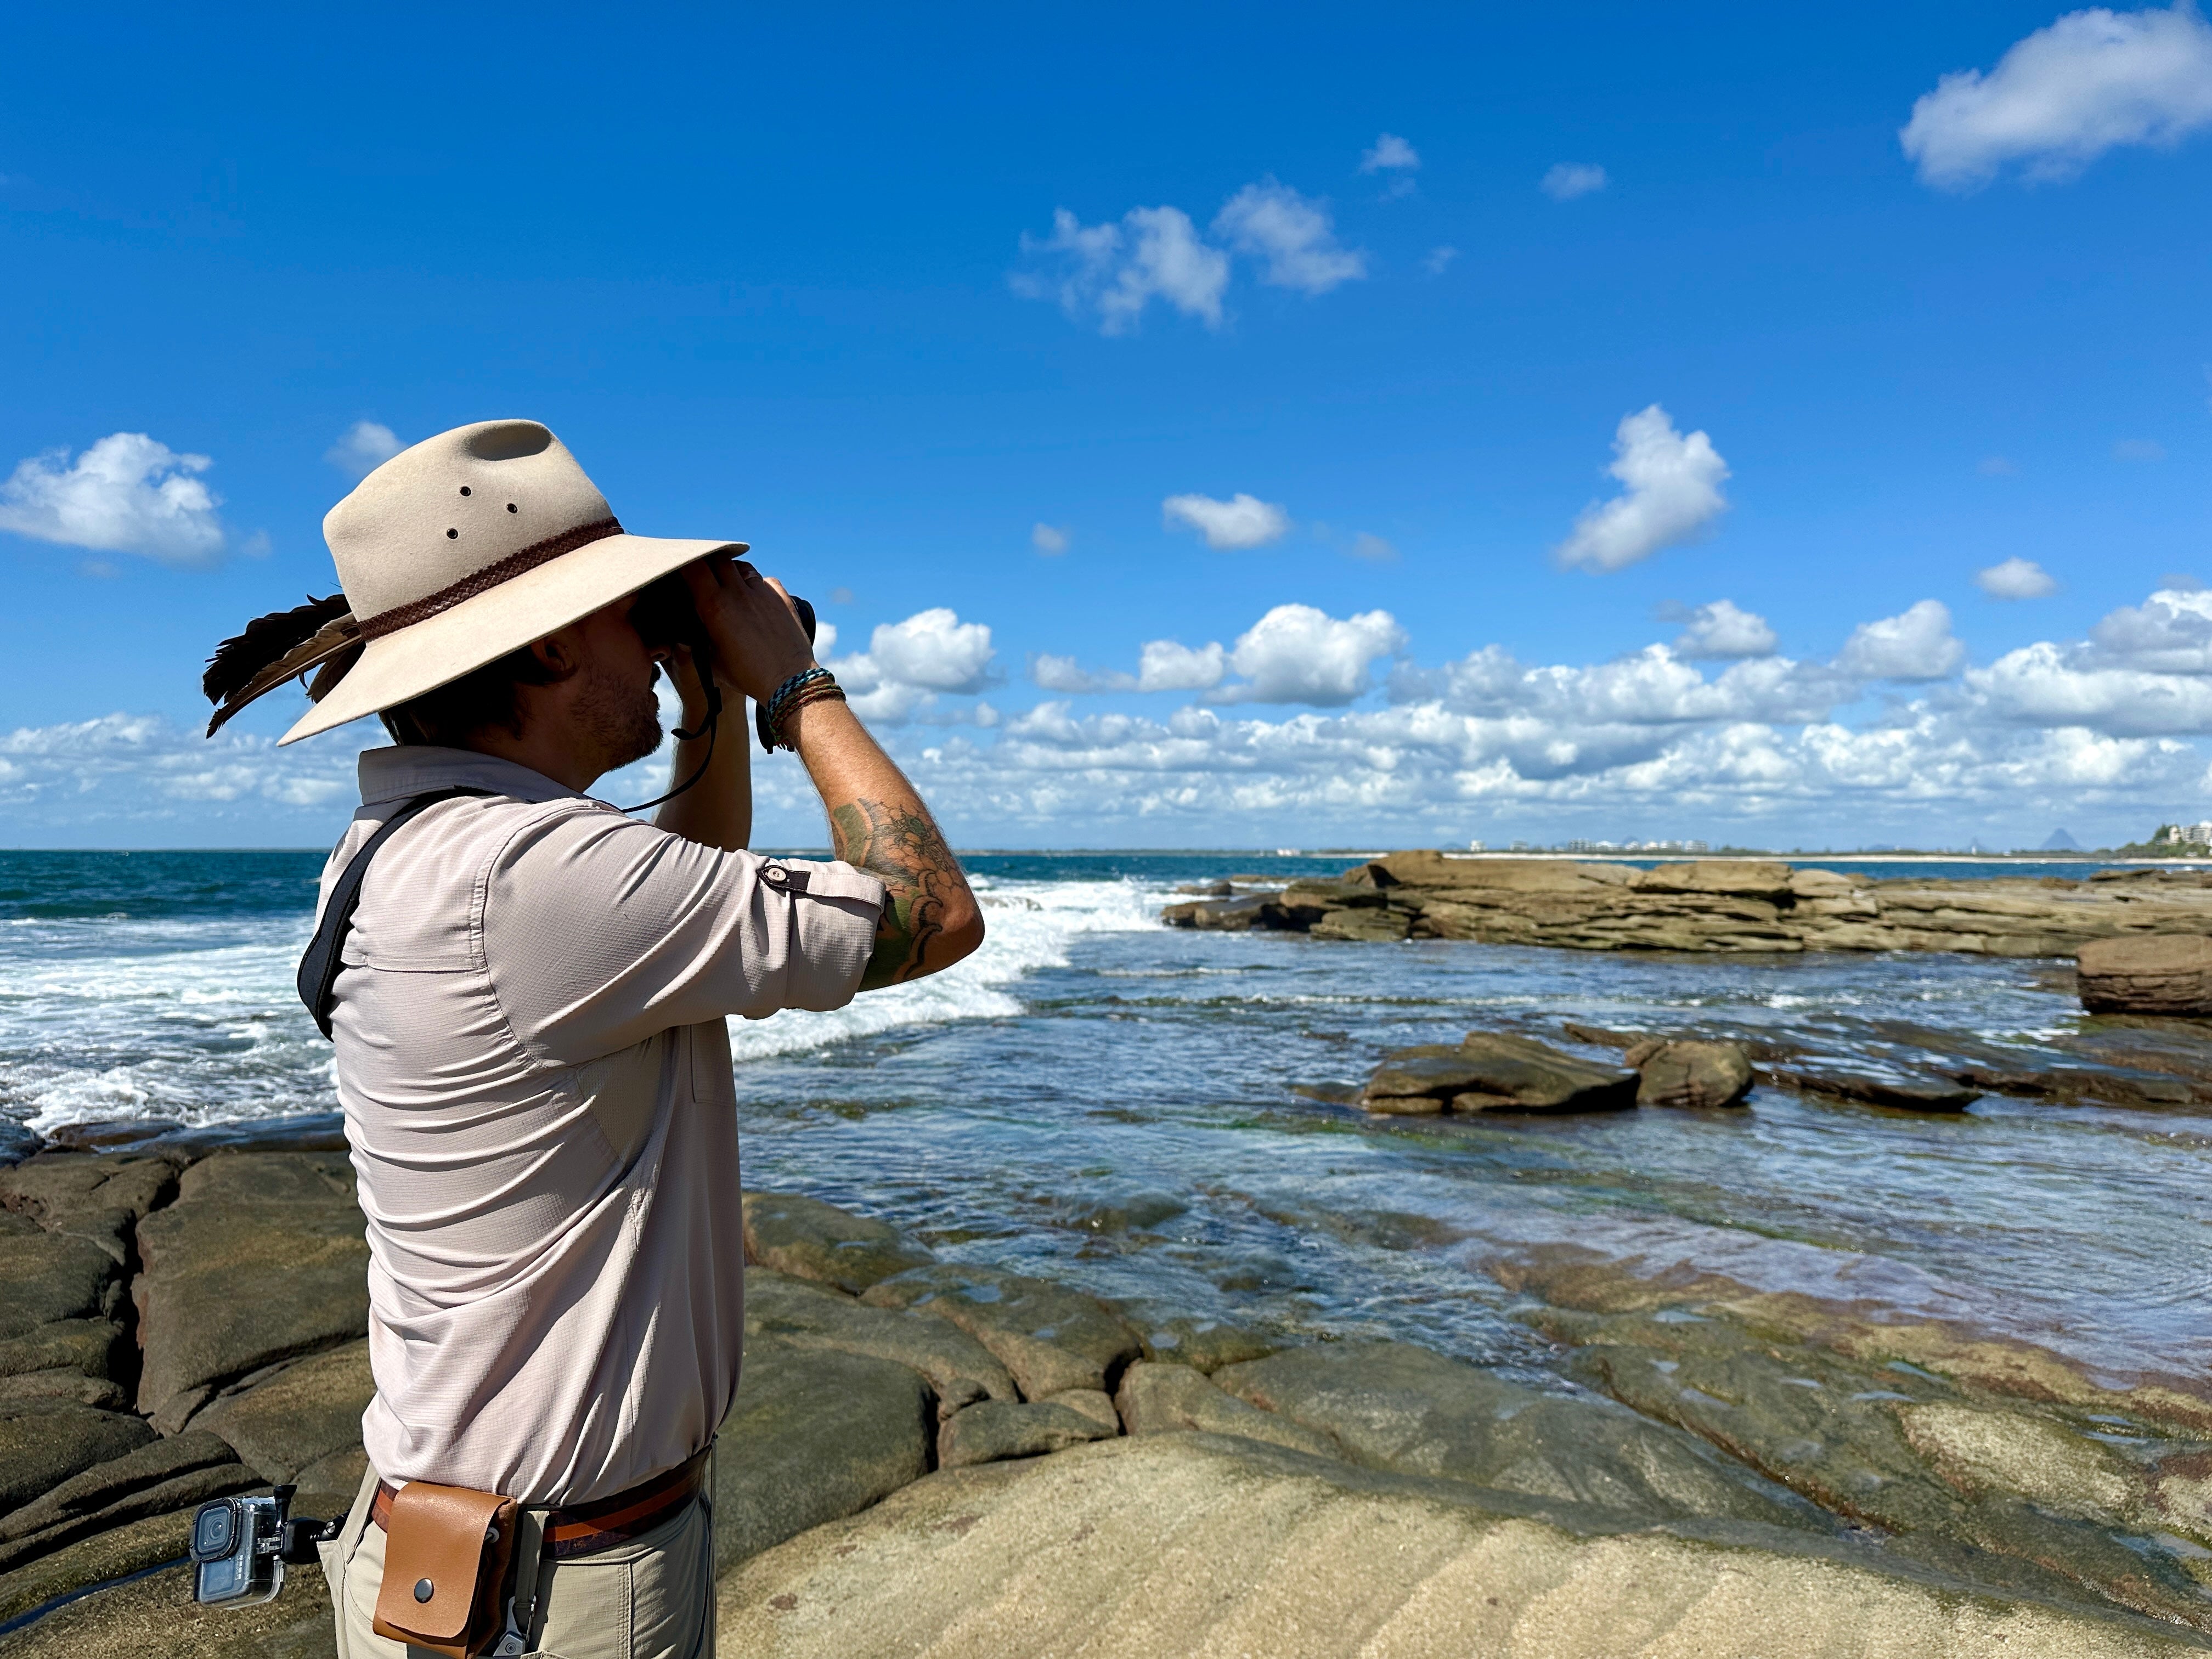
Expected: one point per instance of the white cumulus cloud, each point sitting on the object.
(2015, 579)
(1390, 153)
(1111, 272)
(1673, 490)
(126, 493)
(907, 663)
(362, 448)
(1291, 235)
(1914, 644)
(1296, 654)
(1242, 521)
(1164, 666)
(2065, 94)
(2169, 633)
(1564, 180)
(1723, 630)
(1049, 538)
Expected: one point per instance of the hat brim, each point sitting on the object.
(484, 628)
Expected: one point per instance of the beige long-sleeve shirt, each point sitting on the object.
(536, 1079)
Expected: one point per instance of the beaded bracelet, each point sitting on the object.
(767, 715)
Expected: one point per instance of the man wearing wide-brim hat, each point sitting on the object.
(526, 992)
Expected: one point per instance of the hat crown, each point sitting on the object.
(451, 507)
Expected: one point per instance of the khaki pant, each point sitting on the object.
(652, 1598)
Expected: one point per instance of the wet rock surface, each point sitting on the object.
(1729, 905)
(808, 1239)
(1490, 1072)
(1995, 1460)
(1685, 1073)
(1393, 1406)
(1013, 1315)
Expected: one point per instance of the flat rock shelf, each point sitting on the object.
(1726, 905)
(936, 1457)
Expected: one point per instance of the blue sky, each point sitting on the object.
(1342, 315)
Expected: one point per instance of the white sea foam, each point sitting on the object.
(197, 1021)
(1027, 926)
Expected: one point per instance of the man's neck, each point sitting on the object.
(558, 761)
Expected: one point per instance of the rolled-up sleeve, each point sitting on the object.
(599, 932)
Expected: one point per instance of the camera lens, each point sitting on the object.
(215, 1531)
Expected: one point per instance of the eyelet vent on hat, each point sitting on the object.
(511, 507)
(452, 535)
(466, 490)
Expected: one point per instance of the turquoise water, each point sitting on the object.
(1116, 1102)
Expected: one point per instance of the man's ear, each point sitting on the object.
(559, 655)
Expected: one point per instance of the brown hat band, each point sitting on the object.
(483, 580)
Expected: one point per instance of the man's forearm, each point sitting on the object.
(879, 824)
(718, 809)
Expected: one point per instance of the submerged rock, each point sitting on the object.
(1900, 1091)
(2154, 974)
(1491, 1072)
(808, 1239)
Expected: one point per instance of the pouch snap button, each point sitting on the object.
(424, 1590)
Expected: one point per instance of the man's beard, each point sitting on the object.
(623, 719)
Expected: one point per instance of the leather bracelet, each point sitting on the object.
(818, 692)
(816, 685)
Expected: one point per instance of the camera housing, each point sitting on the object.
(237, 1551)
(239, 1546)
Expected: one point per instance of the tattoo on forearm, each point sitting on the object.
(902, 848)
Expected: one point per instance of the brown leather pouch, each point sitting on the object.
(446, 1554)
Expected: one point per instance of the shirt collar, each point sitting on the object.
(417, 769)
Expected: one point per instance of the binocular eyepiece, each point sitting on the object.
(665, 616)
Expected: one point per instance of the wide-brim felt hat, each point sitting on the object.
(467, 546)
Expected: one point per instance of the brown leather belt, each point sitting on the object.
(604, 1523)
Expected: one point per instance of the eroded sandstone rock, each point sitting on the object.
(815, 1434)
(261, 1258)
(1689, 1074)
(1490, 1072)
(799, 1314)
(993, 1431)
(1172, 1546)
(1012, 1311)
(2156, 973)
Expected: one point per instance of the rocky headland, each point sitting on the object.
(941, 1457)
(1734, 905)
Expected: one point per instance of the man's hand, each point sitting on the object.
(758, 641)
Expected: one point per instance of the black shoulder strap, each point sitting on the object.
(318, 969)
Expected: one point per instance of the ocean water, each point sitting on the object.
(1119, 1104)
